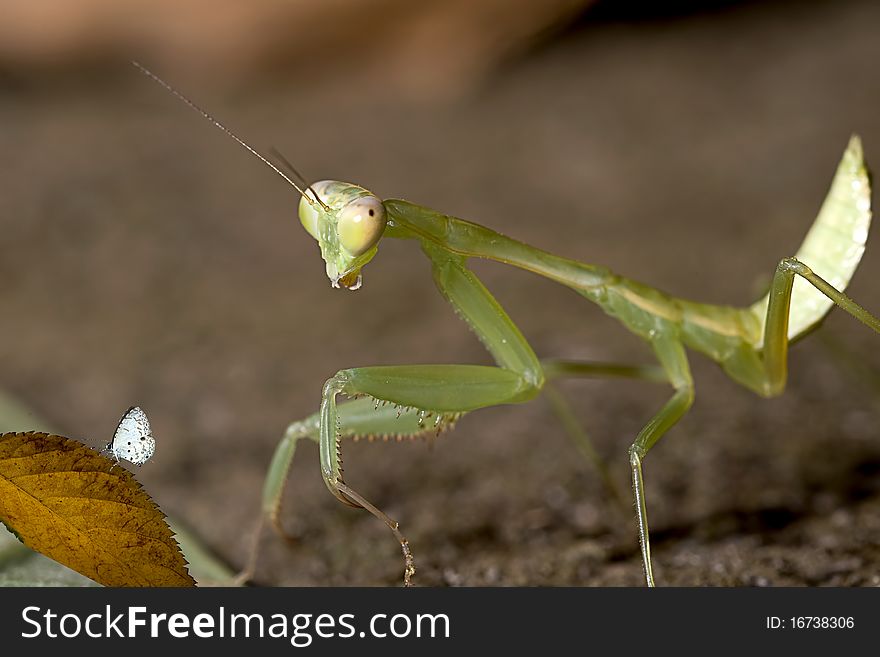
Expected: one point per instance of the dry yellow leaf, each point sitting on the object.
(78, 507)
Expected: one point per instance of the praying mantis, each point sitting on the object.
(750, 344)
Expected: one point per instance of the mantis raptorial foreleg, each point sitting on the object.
(432, 396)
(357, 418)
(440, 389)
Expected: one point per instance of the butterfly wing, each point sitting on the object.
(133, 439)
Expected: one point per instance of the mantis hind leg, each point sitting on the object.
(776, 327)
(765, 372)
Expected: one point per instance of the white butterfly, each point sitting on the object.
(133, 439)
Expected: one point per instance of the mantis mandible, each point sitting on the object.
(750, 344)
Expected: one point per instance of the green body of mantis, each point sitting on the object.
(750, 344)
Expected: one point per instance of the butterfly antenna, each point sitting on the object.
(228, 132)
(278, 155)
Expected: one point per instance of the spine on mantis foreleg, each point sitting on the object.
(362, 418)
(369, 418)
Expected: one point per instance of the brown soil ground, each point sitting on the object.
(145, 259)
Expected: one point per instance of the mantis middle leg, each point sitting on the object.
(671, 353)
(556, 369)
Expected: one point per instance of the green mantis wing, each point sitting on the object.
(834, 245)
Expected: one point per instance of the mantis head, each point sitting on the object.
(348, 221)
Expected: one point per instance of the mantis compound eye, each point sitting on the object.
(361, 224)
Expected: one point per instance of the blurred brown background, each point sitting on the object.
(148, 260)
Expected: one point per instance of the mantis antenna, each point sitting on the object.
(231, 134)
(280, 157)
